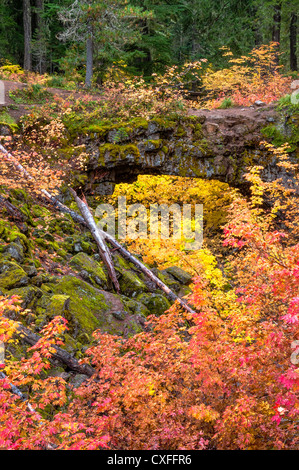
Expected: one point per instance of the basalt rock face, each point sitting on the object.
(218, 144)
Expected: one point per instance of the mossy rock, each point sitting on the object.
(120, 262)
(52, 305)
(27, 294)
(135, 307)
(49, 306)
(111, 153)
(61, 226)
(15, 250)
(179, 274)
(30, 269)
(12, 275)
(89, 269)
(39, 211)
(156, 304)
(10, 233)
(78, 244)
(168, 280)
(130, 283)
(88, 308)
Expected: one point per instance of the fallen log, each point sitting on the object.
(127, 255)
(78, 218)
(11, 209)
(100, 240)
(59, 354)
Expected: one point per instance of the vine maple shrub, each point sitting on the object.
(220, 378)
(247, 79)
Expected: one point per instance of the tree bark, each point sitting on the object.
(27, 35)
(276, 23)
(125, 254)
(11, 209)
(104, 252)
(293, 42)
(276, 29)
(89, 56)
(40, 23)
(60, 354)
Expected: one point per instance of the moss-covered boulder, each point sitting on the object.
(130, 283)
(89, 308)
(135, 307)
(77, 244)
(156, 304)
(15, 250)
(89, 269)
(10, 233)
(179, 274)
(27, 295)
(11, 275)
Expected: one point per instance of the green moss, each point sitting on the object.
(7, 120)
(197, 131)
(52, 247)
(28, 295)
(49, 306)
(135, 307)
(88, 309)
(157, 304)
(117, 152)
(89, 269)
(99, 128)
(154, 144)
(10, 233)
(11, 274)
(39, 211)
(179, 274)
(289, 133)
(164, 123)
(132, 126)
(180, 132)
(130, 283)
(272, 133)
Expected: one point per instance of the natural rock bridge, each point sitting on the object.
(218, 144)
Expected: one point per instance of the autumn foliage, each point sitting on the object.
(225, 377)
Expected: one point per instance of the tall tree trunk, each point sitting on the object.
(276, 23)
(256, 29)
(293, 42)
(89, 56)
(27, 35)
(40, 23)
(276, 29)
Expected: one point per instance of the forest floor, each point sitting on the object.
(16, 110)
(20, 109)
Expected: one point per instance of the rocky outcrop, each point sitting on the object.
(218, 144)
(73, 281)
